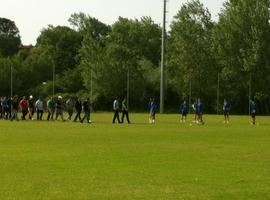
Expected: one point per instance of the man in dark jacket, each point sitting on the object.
(31, 107)
(86, 109)
(14, 108)
(125, 111)
(78, 108)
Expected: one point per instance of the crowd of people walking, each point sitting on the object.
(55, 106)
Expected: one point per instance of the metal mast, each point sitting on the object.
(163, 58)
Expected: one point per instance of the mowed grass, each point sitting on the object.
(167, 160)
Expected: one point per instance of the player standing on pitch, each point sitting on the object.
(253, 108)
(200, 112)
(195, 108)
(184, 111)
(226, 110)
(153, 108)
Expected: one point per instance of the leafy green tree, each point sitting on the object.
(89, 25)
(10, 40)
(190, 57)
(242, 39)
(106, 63)
(63, 45)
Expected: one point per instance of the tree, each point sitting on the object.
(242, 39)
(63, 45)
(10, 40)
(190, 57)
(128, 50)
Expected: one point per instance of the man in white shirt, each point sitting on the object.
(116, 111)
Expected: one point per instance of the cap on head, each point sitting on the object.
(31, 97)
(59, 97)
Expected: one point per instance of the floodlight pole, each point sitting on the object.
(91, 82)
(218, 87)
(128, 84)
(250, 91)
(190, 91)
(11, 79)
(53, 78)
(163, 59)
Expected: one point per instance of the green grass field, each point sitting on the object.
(168, 160)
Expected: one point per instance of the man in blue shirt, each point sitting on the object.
(153, 108)
(5, 107)
(184, 111)
(195, 108)
(200, 112)
(226, 110)
(253, 111)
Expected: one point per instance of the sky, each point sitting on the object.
(31, 16)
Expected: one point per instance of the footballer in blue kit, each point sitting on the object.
(200, 112)
(253, 112)
(226, 110)
(184, 108)
(195, 108)
(153, 108)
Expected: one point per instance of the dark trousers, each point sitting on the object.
(31, 113)
(125, 113)
(116, 116)
(86, 116)
(50, 114)
(39, 114)
(78, 116)
(70, 113)
(24, 113)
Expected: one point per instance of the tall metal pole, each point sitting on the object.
(190, 91)
(11, 79)
(250, 91)
(91, 82)
(218, 86)
(53, 79)
(163, 59)
(128, 83)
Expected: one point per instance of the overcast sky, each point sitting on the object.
(32, 15)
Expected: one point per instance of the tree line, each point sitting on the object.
(227, 58)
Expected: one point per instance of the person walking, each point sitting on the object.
(70, 108)
(125, 111)
(78, 108)
(87, 110)
(40, 108)
(24, 107)
(14, 108)
(60, 108)
(9, 102)
(116, 111)
(51, 108)
(5, 108)
(31, 107)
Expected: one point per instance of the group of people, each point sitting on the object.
(10, 106)
(117, 109)
(197, 106)
(198, 111)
